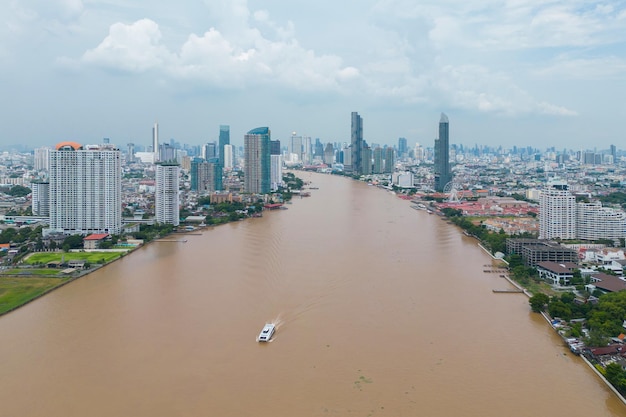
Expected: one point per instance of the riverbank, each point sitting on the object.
(548, 320)
(27, 289)
(18, 289)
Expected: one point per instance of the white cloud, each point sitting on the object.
(248, 48)
(476, 88)
(513, 24)
(598, 68)
(133, 48)
(214, 58)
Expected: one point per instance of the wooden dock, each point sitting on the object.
(512, 291)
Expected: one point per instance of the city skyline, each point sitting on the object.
(507, 74)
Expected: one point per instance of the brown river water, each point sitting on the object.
(381, 310)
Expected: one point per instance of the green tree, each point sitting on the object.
(73, 242)
(557, 308)
(19, 191)
(538, 302)
(596, 339)
(8, 235)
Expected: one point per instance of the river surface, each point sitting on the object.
(381, 310)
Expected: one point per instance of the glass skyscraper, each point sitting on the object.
(356, 144)
(443, 174)
(224, 140)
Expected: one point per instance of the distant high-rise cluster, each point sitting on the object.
(443, 174)
(85, 189)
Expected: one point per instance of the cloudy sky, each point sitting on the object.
(509, 72)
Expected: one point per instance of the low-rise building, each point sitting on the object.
(94, 241)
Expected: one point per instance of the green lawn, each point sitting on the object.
(32, 271)
(17, 291)
(90, 257)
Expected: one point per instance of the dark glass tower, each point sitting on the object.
(443, 174)
(356, 144)
(402, 147)
(224, 139)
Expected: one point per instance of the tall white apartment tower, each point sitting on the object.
(557, 212)
(155, 141)
(85, 189)
(166, 201)
(228, 157)
(40, 198)
(42, 156)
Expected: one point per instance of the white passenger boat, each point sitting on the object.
(266, 333)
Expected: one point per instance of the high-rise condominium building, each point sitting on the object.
(390, 160)
(443, 174)
(40, 199)
(329, 154)
(166, 200)
(356, 145)
(295, 148)
(85, 189)
(209, 151)
(257, 161)
(41, 161)
(228, 156)
(276, 171)
(378, 160)
(206, 176)
(557, 212)
(594, 222)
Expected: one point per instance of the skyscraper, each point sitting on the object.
(390, 160)
(276, 172)
(402, 147)
(443, 174)
(85, 189)
(166, 200)
(329, 154)
(209, 151)
(257, 161)
(295, 148)
(614, 154)
(40, 199)
(557, 212)
(356, 144)
(224, 140)
(378, 160)
(42, 156)
(228, 156)
(155, 141)
(130, 153)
